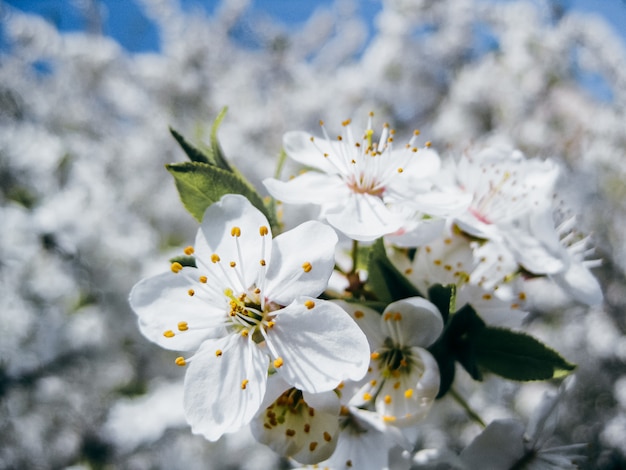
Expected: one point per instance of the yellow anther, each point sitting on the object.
(262, 262)
(191, 292)
(307, 427)
(416, 132)
(215, 258)
(327, 437)
(487, 296)
(235, 232)
(244, 384)
(290, 432)
(397, 316)
(189, 250)
(403, 363)
(447, 241)
(387, 399)
(387, 316)
(367, 396)
(437, 262)
(263, 230)
(414, 149)
(339, 138)
(218, 352)
(203, 279)
(270, 324)
(522, 296)
(373, 382)
(428, 144)
(408, 271)
(311, 412)
(232, 264)
(358, 314)
(375, 355)
(312, 446)
(514, 306)
(389, 419)
(447, 267)
(396, 385)
(400, 170)
(346, 122)
(321, 122)
(309, 304)
(183, 326)
(245, 333)
(176, 267)
(311, 138)
(168, 334)
(180, 361)
(257, 291)
(341, 385)
(408, 393)
(278, 362)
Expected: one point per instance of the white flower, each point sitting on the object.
(403, 379)
(504, 186)
(296, 424)
(249, 304)
(367, 189)
(505, 444)
(546, 242)
(485, 276)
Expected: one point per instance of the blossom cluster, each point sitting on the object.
(342, 373)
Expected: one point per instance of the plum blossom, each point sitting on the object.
(248, 306)
(367, 189)
(403, 379)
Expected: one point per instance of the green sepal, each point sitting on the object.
(518, 356)
(383, 278)
(186, 261)
(201, 184)
(216, 148)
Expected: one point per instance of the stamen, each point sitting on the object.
(244, 384)
(232, 264)
(176, 267)
(312, 446)
(183, 326)
(358, 314)
(290, 432)
(278, 362)
(168, 334)
(307, 267)
(215, 258)
(189, 250)
(235, 232)
(203, 279)
(263, 230)
(180, 361)
(408, 393)
(327, 437)
(309, 304)
(387, 399)
(218, 353)
(191, 292)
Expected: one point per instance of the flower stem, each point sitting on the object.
(468, 410)
(355, 255)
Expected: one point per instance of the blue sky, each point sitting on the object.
(124, 20)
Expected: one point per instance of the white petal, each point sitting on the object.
(408, 398)
(367, 319)
(320, 346)
(418, 233)
(500, 444)
(162, 301)
(578, 282)
(532, 254)
(364, 217)
(302, 261)
(299, 147)
(441, 204)
(412, 322)
(217, 400)
(215, 237)
(309, 188)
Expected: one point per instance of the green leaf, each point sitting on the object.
(184, 261)
(194, 154)
(216, 148)
(383, 278)
(200, 185)
(518, 356)
(444, 298)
